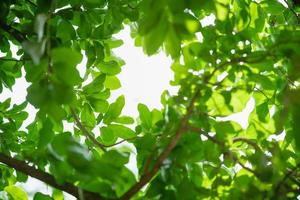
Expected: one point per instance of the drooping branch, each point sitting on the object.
(32, 171)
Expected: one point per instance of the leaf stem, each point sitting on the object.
(20, 37)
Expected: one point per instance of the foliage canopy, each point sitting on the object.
(183, 151)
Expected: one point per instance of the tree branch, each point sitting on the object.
(19, 36)
(222, 145)
(85, 131)
(32, 171)
(292, 10)
(12, 59)
(248, 141)
(31, 3)
(151, 173)
(286, 176)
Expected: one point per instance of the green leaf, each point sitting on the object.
(262, 111)
(145, 116)
(125, 120)
(114, 110)
(41, 196)
(64, 62)
(46, 134)
(112, 82)
(173, 43)
(99, 105)
(16, 192)
(110, 68)
(121, 131)
(107, 135)
(65, 31)
(87, 116)
(154, 39)
(96, 85)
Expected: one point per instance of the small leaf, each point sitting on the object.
(41, 196)
(110, 68)
(16, 192)
(107, 135)
(122, 131)
(114, 110)
(124, 120)
(46, 134)
(112, 82)
(87, 116)
(145, 116)
(262, 111)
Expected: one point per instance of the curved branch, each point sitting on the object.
(32, 171)
(85, 131)
(248, 141)
(91, 137)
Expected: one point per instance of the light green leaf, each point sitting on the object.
(145, 115)
(110, 67)
(87, 116)
(114, 110)
(112, 82)
(16, 192)
(125, 120)
(122, 131)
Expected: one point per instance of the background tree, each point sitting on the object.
(183, 151)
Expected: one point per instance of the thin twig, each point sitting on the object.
(292, 10)
(222, 145)
(31, 3)
(19, 36)
(120, 142)
(263, 93)
(85, 131)
(213, 139)
(286, 176)
(11, 59)
(248, 141)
